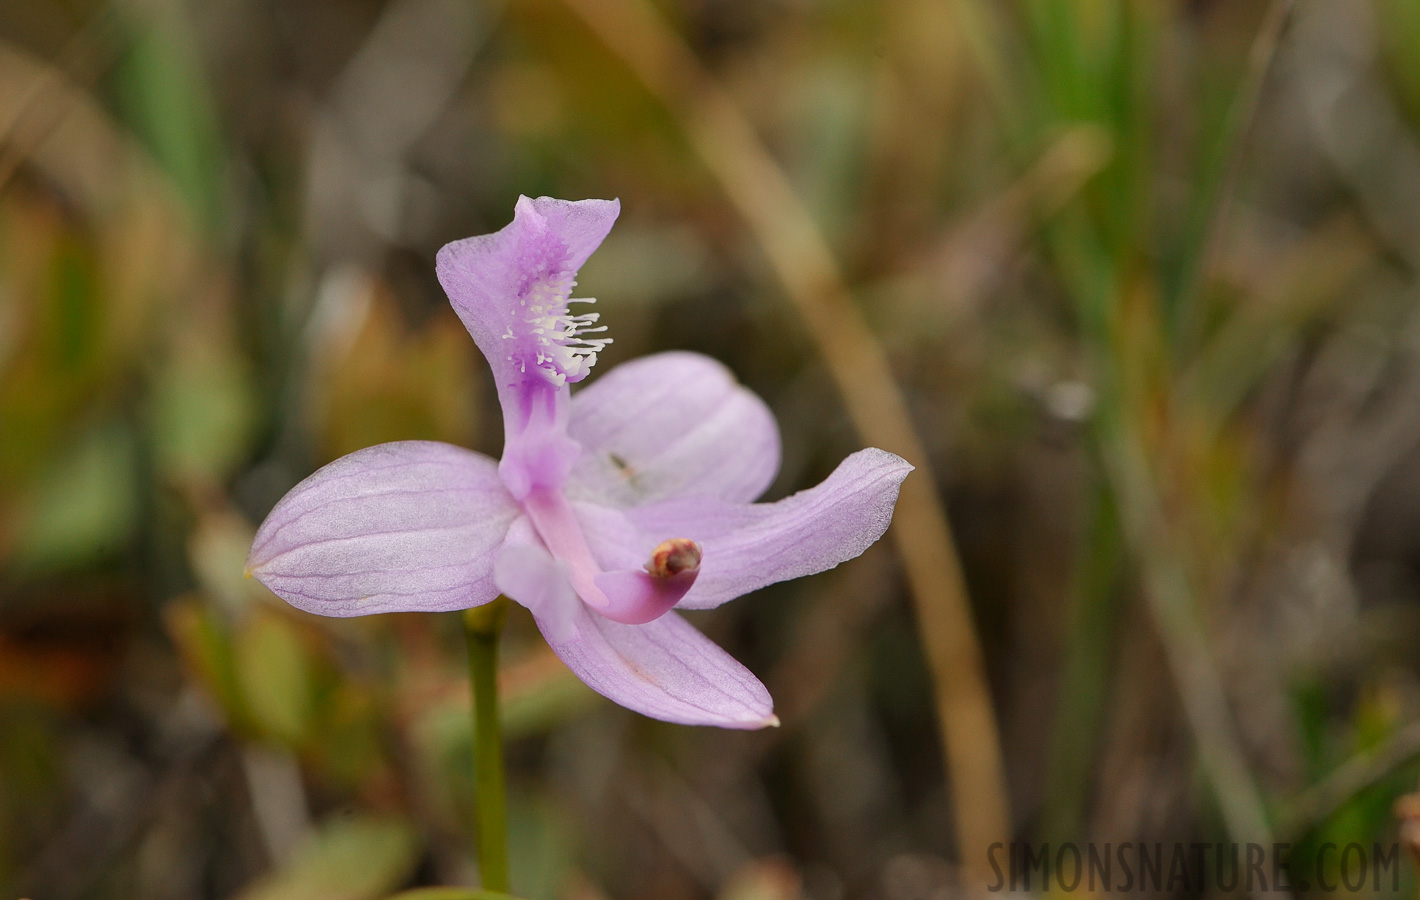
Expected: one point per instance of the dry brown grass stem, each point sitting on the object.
(49, 96)
(757, 186)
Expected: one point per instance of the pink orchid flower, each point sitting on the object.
(608, 509)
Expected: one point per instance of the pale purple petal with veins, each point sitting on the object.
(527, 573)
(671, 424)
(747, 546)
(666, 670)
(401, 527)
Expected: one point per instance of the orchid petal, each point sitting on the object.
(401, 527)
(512, 290)
(666, 670)
(526, 572)
(493, 279)
(672, 424)
(748, 546)
(626, 593)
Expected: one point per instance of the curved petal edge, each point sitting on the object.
(747, 546)
(668, 425)
(665, 669)
(402, 527)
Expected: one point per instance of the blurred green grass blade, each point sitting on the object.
(204, 409)
(74, 294)
(275, 678)
(343, 743)
(538, 707)
(1055, 42)
(1089, 645)
(348, 859)
(1125, 82)
(1099, 68)
(165, 98)
(1087, 273)
(451, 893)
(1078, 49)
(1000, 65)
(58, 341)
(84, 507)
(1221, 142)
(205, 643)
(1398, 26)
(542, 846)
(831, 129)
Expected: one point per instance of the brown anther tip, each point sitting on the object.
(673, 557)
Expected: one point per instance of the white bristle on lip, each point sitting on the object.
(559, 344)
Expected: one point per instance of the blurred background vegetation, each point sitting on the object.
(1144, 272)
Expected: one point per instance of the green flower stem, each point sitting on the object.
(482, 627)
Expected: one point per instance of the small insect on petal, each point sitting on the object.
(673, 557)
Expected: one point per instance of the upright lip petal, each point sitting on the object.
(400, 527)
(494, 280)
(666, 670)
(748, 546)
(512, 290)
(671, 424)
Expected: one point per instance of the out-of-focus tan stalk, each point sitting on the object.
(50, 96)
(758, 188)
